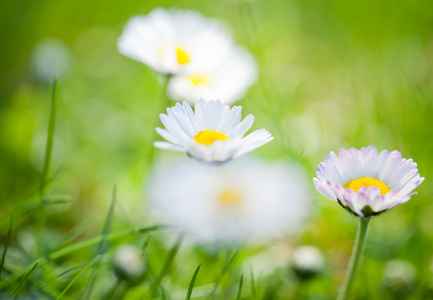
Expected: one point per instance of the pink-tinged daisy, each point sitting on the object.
(366, 182)
(212, 133)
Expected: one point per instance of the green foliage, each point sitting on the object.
(333, 74)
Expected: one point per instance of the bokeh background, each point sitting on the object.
(333, 74)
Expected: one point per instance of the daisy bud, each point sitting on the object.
(399, 276)
(128, 263)
(51, 59)
(308, 262)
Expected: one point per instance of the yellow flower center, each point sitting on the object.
(209, 136)
(198, 79)
(230, 198)
(182, 56)
(367, 181)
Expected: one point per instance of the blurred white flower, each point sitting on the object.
(175, 41)
(51, 58)
(213, 133)
(228, 81)
(128, 263)
(308, 262)
(367, 183)
(244, 200)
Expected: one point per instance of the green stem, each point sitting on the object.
(355, 260)
(164, 102)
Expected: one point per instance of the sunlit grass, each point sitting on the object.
(332, 75)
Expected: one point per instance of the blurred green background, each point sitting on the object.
(333, 74)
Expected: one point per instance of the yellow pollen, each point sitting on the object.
(209, 136)
(367, 181)
(182, 56)
(197, 79)
(230, 198)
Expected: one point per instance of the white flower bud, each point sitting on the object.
(51, 58)
(308, 262)
(128, 263)
(399, 275)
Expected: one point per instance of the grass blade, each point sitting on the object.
(96, 240)
(47, 162)
(106, 228)
(191, 284)
(8, 238)
(239, 296)
(253, 285)
(92, 262)
(227, 264)
(24, 279)
(50, 139)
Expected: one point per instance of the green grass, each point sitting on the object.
(333, 74)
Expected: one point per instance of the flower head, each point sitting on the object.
(240, 201)
(174, 41)
(212, 133)
(366, 182)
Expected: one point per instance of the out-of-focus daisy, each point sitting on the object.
(175, 41)
(366, 182)
(231, 204)
(212, 133)
(227, 81)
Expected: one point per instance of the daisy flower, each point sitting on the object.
(366, 182)
(212, 133)
(244, 200)
(227, 81)
(174, 41)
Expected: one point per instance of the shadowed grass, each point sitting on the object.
(8, 238)
(80, 246)
(92, 262)
(24, 279)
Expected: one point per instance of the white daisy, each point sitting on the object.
(175, 41)
(244, 200)
(367, 183)
(213, 133)
(227, 81)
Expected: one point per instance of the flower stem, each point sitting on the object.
(355, 260)
(164, 102)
